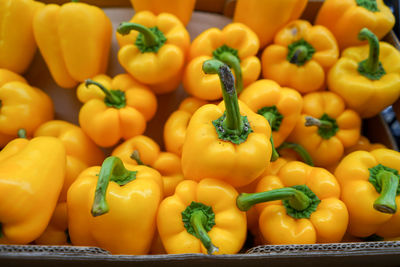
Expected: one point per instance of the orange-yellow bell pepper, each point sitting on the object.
(370, 189)
(182, 9)
(299, 205)
(345, 19)
(56, 232)
(153, 49)
(300, 56)
(142, 150)
(367, 77)
(363, 144)
(280, 106)
(229, 141)
(176, 124)
(236, 45)
(31, 177)
(122, 217)
(326, 127)
(266, 17)
(114, 108)
(202, 218)
(74, 40)
(18, 46)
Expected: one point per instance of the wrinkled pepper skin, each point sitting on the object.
(182, 9)
(129, 221)
(300, 56)
(354, 174)
(74, 40)
(229, 232)
(159, 66)
(176, 124)
(120, 109)
(326, 144)
(266, 17)
(18, 45)
(31, 177)
(239, 42)
(148, 153)
(345, 19)
(280, 106)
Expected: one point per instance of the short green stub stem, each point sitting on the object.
(300, 150)
(274, 155)
(273, 116)
(299, 200)
(113, 98)
(327, 126)
(231, 126)
(371, 67)
(21, 133)
(198, 219)
(231, 58)
(386, 183)
(148, 39)
(368, 4)
(300, 52)
(136, 156)
(74, 1)
(113, 170)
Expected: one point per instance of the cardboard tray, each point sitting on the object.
(67, 107)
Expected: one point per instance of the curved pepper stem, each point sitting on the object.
(371, 67)
(327, 126)
(21, 133)
(112, 169)
(150, 39)
(198, 220)
(275, 154)
(305, 156)
(113, 98)
(389, 183)
(230, 57)
(136, 157)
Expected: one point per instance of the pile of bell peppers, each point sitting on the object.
(266, 145)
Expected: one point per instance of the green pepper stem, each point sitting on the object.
(299, 55)
(386, 202)
(305, 156)
(112, 169)
(297, 199)
(275, 154)
(21, 133)
(111, 98)
(372, 63)
(150, 39)
(271, 118)
(233, 62)
(136, 156)
(197, 220)
(311, 121)
(233, 120)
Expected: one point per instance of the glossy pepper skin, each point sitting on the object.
(345, 19)
(369, 182)
(142, 150)
(300, 56)
(236, 45)
(231, 143)
(153, 49)
(31, 177)
(176, 124)
(202, 218)
(367, 77)
(18, 46)
(313, 215)
(266, 17)
(56, 232)
(182, 9)
(114, 108)
(331, 127)
(74, 40)
(280, 106)
(122, 217)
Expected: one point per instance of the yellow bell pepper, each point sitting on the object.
(122, 217)
(280, 106)
(153, 49)
(266, 17)
(31, 177)
(182, 9)
(231, 143)
(18, 46)
(300, 56)
(142, 150)
(202, 218)
(56, 232)
(236, 45)
(74, 40)
(370, 189)
(114, 108)
(299, 205)
(326, 127)
(367, 77)
(345, 19)
(363, 144)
